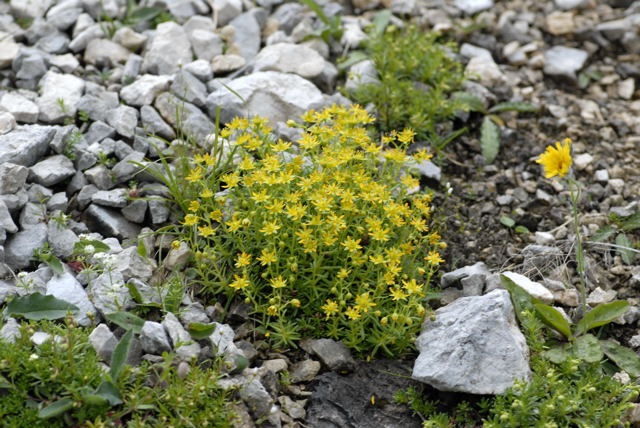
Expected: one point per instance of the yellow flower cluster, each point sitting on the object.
(323, 228)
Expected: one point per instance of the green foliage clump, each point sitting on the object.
(321, 237)
(62, 383)
(418, 77)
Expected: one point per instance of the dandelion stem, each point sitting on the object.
(574, 190)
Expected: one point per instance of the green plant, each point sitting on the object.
(323, 238)
(572, 393)
(620, 227)
(578, 343)
(45, 255)
(417, 78)
(70, 143)
(61, 383)
(333, 26)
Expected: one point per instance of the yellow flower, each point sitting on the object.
(295, 302)
(330, 308)
(556, 160)
(247, 163)
(267, 257)
(272, 310)
(280, 146)
(175, 245)
(353, 313)
(194, 174)
(270, 228)
(216, 215)
(190, 220)
(406, 136)
(377, 259)
(343, 273)
(194, 206)
(422, 155)
(243, 259)
(380, 234)
(260, 196)
(240, 282)
(412, 287)
(352, 245)
(231, 180)
(278, 282)
(363, 303)
(397, 294)
(206, 230)
(234, 224)
(434, 258)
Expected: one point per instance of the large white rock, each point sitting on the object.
(66, 287)
(271, 94)
(473, 346)
(144, 90)
(290, 58)
(60, 97)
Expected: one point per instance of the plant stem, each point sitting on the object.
(574, 190)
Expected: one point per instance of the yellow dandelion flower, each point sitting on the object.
(267, 257)
(278, 282)
(330, 308)
(243, 260)
(556, 160)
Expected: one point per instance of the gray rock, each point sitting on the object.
(569, 4)
(226, 63)
(471, 7)
(7, 122)
(128, 38)
(257, 399)
(154, 339)
(6, 221)
(39, 338)
(186, 86)
(600, 297)
(30, 9)
(108, 292)
(154, 124)
(15, 201)
(144, 90)
(98, 131)
(226, 10)
(52, 170)
(8, 52)
(290, 58)
(99, 107)
(304, 371)
(62, 239)
(159, 211)
(23, 109)
(133, 265)
(10, 331)
(67, 63)
(104, 52)
(66, 287)
(126, 169)
(20, 246)
(64, 15)
(124, 119)
(361, 73)
(32, 214)
(60, 96)
(101, 177)
(334, 355)
(194, 313)
(25, 144)
(29, 65)
(177, 257)
(58, 202)
(277, 96)
(135, 211)
(427, 169)
(295, 409)
(193, 122)
(12, 177)
(222, 341)
(169, 48)
(474, 346)
(247, 36)
(110, 222)
(332, 403)
(451, 278)
(564, 61)
(201, 69)
(148, 293)
(206, 44)
(103, 341)
(111, 198)
(179, 336)
(541, 258)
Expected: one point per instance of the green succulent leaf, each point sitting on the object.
(557, 354)
(601, 315)
(109, 392)
(522, 301)
(554, 319)
(489, 140)
(624, 357)
(39, 307)
(201, 331)
(120, 354)
(507, 221)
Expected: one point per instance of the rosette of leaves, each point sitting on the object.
(620, 228)
(576, 341)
